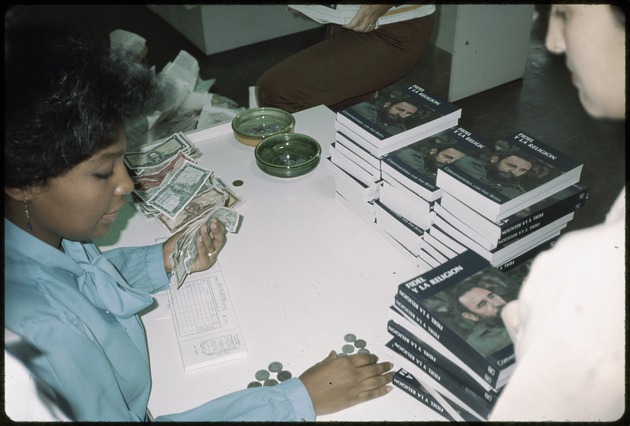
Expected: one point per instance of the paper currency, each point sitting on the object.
(180, 188)
(159, 154)
(186, 252)
(154, 178)
(199, 206)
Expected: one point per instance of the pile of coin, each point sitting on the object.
(265, 377)
(351, 343)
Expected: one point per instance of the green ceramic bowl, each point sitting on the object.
(253, 125)
(287, 154)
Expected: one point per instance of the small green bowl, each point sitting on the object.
(253, 125)
(287, 154)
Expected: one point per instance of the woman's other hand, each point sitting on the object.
(340, 382)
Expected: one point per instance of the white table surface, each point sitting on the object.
(302, 272)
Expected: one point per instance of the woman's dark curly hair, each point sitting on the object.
(66, 98)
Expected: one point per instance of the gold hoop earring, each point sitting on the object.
(29, 225)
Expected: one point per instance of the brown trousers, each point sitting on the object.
(345, 68)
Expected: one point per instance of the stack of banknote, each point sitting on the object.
(170, 186)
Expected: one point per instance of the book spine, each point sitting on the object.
(347, 141)
(427, 352)
(405, 222)
(527, 230)
(482, 366)
(545, 216)
(528, 255)
(480, 404)
(409, 384)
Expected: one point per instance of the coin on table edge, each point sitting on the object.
(275, 366)
(270, 382)
(360, 343)
(347, 349)
(262, 375)
(254, 385)
(363, 351)
(349, 338)
(284, 375)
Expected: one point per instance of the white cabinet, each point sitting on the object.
(217, 28)
(488, 44)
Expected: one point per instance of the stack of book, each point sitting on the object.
(510, 202)
(433, 189)
(368, 131)
(409, 189)
(454, 351)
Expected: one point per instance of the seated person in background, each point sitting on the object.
(568, 323)
(67, 101)
(350, 64)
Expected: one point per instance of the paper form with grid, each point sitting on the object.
(205, 321)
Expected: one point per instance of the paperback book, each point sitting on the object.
(375, 170)
(400, 330)
(527, 256)
(539, 214)
(435, 253)
(459, 304)
(439, 234)
(415, 209)
(404, 231)
(406, 381)
(342, 14)
(475, 400)
(358, 150)
(351, 188)
(519, 172)
(502, 255)
(416, 165)
(509, 241)
(367, 176)
(430, 240)
(404, 115)
(412, 257)
(365, 211)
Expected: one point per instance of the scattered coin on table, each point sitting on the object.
(270, 382)
(351, 343)
(262, 375)
(284, 375)
(275, 367)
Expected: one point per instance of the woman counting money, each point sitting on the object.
(66, 103)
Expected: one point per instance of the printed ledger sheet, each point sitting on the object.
(205, 321)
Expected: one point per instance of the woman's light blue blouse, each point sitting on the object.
(79, 309)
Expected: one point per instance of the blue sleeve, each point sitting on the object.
(142, 267)
(78, 371)
(288, 401)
